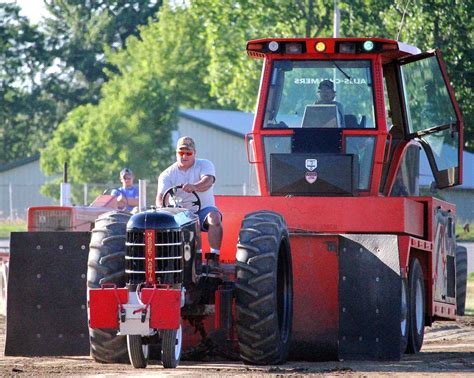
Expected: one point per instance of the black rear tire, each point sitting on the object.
(416, 309)
(264, 289)
(461, 279)
(106, 264)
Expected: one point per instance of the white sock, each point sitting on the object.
(216, 251)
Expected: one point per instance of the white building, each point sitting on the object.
(20, 184)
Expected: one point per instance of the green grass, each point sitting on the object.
(469, 310)
(462, 235)
(7, 226)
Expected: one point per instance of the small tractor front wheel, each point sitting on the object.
(264, 289)
(416, 308)
(106, 264)
(138, 352)
(171, 342)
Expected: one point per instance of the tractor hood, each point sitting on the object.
(166, 218)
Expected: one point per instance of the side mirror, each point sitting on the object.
(433, 187)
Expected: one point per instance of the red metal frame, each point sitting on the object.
(334, 215)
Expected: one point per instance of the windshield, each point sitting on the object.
(320, 94)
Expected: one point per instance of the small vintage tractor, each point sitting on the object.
(335, 255)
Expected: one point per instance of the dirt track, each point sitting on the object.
(448, 350)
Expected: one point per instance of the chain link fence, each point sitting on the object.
(16, 198)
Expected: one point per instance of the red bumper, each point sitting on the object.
(106, 304)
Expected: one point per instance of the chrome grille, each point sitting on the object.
(168, 257)
(51, 220)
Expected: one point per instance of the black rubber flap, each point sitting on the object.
(46, 305)
(369, 298)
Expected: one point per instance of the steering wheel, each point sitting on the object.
(173, 194)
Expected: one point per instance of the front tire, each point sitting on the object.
(138, 352)
(416, 309)
(264, 289)
(171, 343)
(106, 264)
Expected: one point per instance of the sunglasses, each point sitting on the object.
(187, 153)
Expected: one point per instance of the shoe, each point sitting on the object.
(212, 259)
(212, 267)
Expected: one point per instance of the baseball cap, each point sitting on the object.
(185, 143)
(326, 83)
(125, 171)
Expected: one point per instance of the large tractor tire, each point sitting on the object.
(416, 307)
(461, 278)
(264, 289)
(106, 265)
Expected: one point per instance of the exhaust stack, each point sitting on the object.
(141, 195)
(65, 197)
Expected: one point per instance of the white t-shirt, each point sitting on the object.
(173, 176)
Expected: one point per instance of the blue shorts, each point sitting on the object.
(203, 213)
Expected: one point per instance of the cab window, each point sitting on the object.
(320, 94)
(431, 115)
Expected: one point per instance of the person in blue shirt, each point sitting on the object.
(127, 194)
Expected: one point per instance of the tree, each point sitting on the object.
(233, 78)
(78, 32)
(26, 110)
(131, 125)
(449, 26)
(174, 51)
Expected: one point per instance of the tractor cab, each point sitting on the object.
(347, 117)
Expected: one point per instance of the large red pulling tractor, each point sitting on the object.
(336, 255)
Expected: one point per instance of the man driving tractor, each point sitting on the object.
(194, 175)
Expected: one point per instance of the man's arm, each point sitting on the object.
(164, 184)
(159, 198)
(201, 186)
(132, 201)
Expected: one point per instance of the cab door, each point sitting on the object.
(432, 115)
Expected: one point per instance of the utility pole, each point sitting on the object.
(337, 19)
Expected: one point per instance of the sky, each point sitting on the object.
(33, 9)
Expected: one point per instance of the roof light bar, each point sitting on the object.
(293, 48)
(368, 45)
(273, 46)
(320, 46)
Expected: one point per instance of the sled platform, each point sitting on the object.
(47, 294)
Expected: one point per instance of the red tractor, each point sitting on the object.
(336, 256)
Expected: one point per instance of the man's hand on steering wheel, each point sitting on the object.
(189, 188)
(173, 193)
